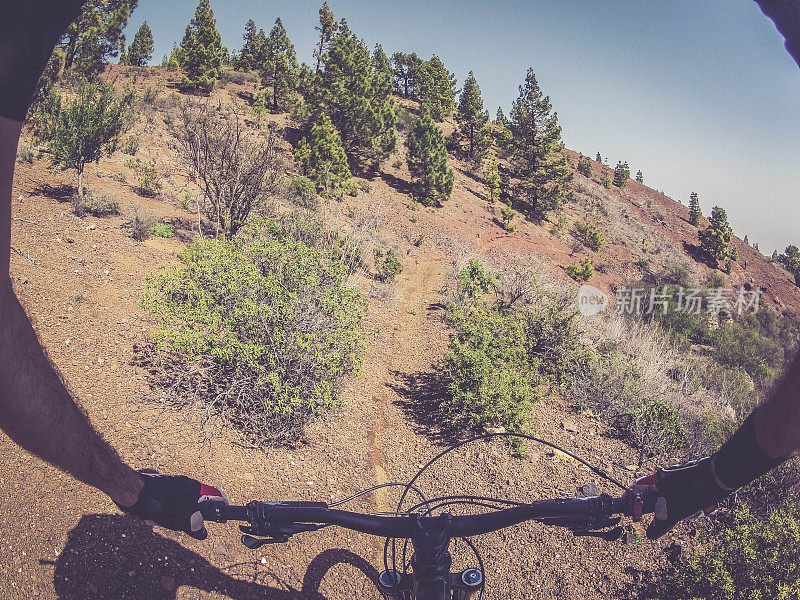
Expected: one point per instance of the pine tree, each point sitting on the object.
(321, 154)
(536, 150)
(141, 49)
(716, 238)
(381, 63)
(327, 29)
(492, 177)
(279, 66)
(502, 133)
(639, 176)
(622, 173)
(407, 69)
(174, 60)
(358, 100)
(473, 120)
(201, 50)
(599, 158)
(96, 35)
(427, 161)
(436, 89)
(500, 117)
(695, 215)
(790, 259)
(585, 166)
(247, 60)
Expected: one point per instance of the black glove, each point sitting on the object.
(29, 29)
(683, 490)
(172, 502)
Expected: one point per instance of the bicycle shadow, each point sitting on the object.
(115, 557)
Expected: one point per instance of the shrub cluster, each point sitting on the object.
(98, 205)
(580, 271)
(259, 329)
(503, 357)
(387, 265)
(748, 559)
(590, 233)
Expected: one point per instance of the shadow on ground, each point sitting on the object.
(421, 395)
(60, 193)
(113, 557)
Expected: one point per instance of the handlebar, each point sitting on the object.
(280, 520)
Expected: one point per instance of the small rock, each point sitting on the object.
(534, 457)
(569, 426)
(66, 342)
(91, 227)
(106, 271)
(248, 477)
(69, 240)
(590, 489)
(491, 430)
(631, 467)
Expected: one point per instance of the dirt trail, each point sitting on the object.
(80, 280)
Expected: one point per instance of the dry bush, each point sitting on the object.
(236, 168)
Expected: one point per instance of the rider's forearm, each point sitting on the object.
(777, 421)
(36, 410)
(765, 439)
(39, 414)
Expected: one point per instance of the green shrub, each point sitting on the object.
(349, 188)
(749, 559)
(744, 346)
(26, 153)
(387, 265)
(303, 192)
(259, 329)
(163, 230)
(507, 215)
(502, 360)
(582, 271)
(98, 205)
(585, 166)
(131, 145)
(146, 176)
(140, 225)
(655, 427)
(591, 234)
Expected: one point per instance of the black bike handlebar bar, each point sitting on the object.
(576, 513)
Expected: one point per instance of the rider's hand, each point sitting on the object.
(683, 490)
(173, 502)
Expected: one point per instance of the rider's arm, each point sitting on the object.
(36, 410)
(765, 439)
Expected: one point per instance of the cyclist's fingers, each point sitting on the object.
(661, 512)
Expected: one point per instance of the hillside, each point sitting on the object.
(80, 279)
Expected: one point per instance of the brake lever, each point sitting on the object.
(273, 534)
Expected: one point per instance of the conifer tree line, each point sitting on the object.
(344, 102)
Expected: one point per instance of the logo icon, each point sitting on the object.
(591, 301)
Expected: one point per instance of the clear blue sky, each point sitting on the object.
(700, 95)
